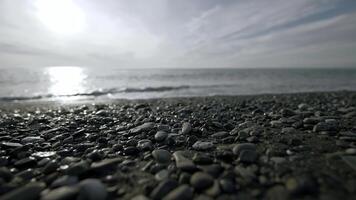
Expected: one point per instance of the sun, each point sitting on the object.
(60, 16)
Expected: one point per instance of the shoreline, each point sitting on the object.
(266, 146)
(56, 103)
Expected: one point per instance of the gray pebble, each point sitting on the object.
(183, 192)
(92, 189)
(162, 156)
(201, 180)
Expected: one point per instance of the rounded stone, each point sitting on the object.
(182, 192)
(161, 155)
(92, 189)
(161, 136)
(201, 180)
(243, 146)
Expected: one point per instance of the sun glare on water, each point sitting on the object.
(60, 16)
(66, 80)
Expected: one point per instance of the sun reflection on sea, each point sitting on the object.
(66, 81)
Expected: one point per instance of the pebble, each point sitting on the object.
(277, 192)
(162, 156)
(5, 174)
(44, 154)
(30, 191)
(202, 146)
(220, 134)
(182, 162)
(144, 127)
(201, 180)
(186, 128)
(77, 168)
(104, 164)
(202, 159)
(161, 136)
(131, 151)
(289, 130)
(50, 167)
(62, 193)
(64, 181)
(32, 139)
(237, 149)
(227, 185)
(163, 188)
(144, 145)
(10, 145)
(92, 189)
(213, 190)
(26, 162)
(183, 192)
(247, 156)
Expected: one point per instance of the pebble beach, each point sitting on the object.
(285, 146)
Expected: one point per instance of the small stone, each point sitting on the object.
(186, 128)
(162, 175)
(5, 174)
(288, 130)
(311, 120)
(44, 154)
(92, 189)
(324, 126)
(144, 145)
(247, 156)
(131, 151)
(162, 156)
(64, 181)
(62, 193)
(183, 192)
(105, 164)
(202, 159)
(220, 134)
(276, 124)
(213, 190)
(11, 145)
(243, 146)
(303, 106)
(201, 180)
(163, 189)
(277, 192)
(27, 174)
(302, 185)
(350, 160)
(30, 191)
(26, 162)
(144, 127)
(140, 197)
(350, 151)
(227, 185)
(31, 139)
(201, 146)
(161, 136)
(78, 168)
(182, 162)
(50, 167)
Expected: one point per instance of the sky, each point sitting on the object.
(178, 34)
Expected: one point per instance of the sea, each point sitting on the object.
(89, 83)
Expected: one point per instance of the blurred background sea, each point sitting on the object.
(76, 83)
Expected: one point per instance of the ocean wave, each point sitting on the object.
(97, 93)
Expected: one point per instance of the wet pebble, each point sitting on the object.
(92, 189)
(163, 189)
(201, 146)
(183, 192)
(201, 180)
(162, 156)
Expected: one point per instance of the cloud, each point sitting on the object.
(204, 33)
